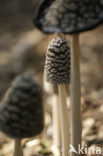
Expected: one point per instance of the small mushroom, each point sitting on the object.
(21, 111)
(57, 72)
(71, 17)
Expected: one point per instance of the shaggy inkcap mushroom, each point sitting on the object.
(21, 112)
(57, 65)
(69, 16)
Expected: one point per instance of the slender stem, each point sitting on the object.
(17, 147)
(76, 126)
(64, 120)
(51, 89)
(56, 121)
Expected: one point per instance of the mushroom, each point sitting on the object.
(21, 111)
(68, 16)
(71, 17)
(57, 72)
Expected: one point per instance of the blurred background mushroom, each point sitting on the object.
(21, 111)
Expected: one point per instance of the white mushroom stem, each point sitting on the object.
(50, 88)
(75, 117)
(56, 121)
(17, 147)
(64, 120)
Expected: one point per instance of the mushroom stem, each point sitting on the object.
(17, 147)
(51, 89)
(64, 119)
(56, 121)
(76, 126)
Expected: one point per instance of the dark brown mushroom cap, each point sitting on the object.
(21, 112)
(57, 64)
(68, 16)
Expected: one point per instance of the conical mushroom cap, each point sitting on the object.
(68, 16)
(21, 112)
(57, 64)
